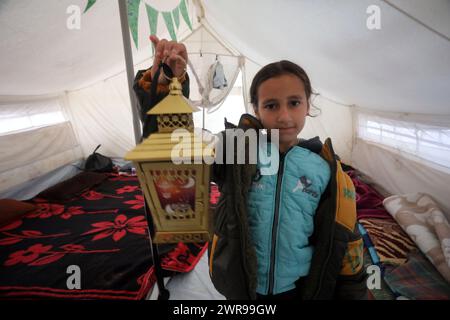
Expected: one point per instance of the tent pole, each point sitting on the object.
(130, 67)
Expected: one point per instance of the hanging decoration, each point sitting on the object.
(176, 16)
(184, 13)
(171, 18)
(133, 19)
(219, 81)
(152, 15)
(169, 24)
(89, 5)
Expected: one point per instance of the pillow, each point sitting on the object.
(422, 219)
(11, 210)
(72, 187)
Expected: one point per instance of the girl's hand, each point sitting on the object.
(174, 54)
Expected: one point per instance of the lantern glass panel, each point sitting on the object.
(176, 191)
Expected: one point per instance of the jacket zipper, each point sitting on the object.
(275, 222)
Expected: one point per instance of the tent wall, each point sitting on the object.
(402, 66)
(30, 154)
(400, 175)
(101, 114)
(332, 121)
(403, 167)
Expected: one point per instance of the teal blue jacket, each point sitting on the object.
(281, 210)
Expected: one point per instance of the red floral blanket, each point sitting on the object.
(100, 238)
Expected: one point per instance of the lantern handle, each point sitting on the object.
(180, 77)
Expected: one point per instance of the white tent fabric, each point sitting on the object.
(401, 175)
(41, 55)
(402, 67)
(401, 164)
(26, 156)
(101, 115)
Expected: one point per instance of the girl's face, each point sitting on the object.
(282, 104)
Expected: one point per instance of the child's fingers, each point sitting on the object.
(161, 47)
(172, 53)
(169, 46)
(154, 39)
(174, 56)
(157, 59)
(182, 51)
(176, 63)
(159, 54)
(170, 61)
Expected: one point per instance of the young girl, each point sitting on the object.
(290, 235)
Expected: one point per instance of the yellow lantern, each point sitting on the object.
(176, 194)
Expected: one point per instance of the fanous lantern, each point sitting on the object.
(177, 195)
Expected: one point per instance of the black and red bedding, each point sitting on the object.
(102, 231)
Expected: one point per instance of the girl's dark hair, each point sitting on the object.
(277, 69)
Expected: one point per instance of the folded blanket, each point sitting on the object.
(392, 244)
(369, 203)
(417, 279)
(425, 223)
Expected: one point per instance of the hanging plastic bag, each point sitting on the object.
(219, 80)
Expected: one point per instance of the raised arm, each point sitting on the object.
(173, 54)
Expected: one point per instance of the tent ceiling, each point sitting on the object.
(402, 67)
(40, 55)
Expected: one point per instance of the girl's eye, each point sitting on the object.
(295, 103)
(270, 106)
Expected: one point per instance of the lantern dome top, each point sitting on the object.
(174, 103)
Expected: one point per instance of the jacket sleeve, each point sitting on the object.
(146, 101)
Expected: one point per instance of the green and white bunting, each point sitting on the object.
(152, 15)
(89, 5)
(133, 19)
(169, 25)
(184, 13)
(176, 17)
(171, 18)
